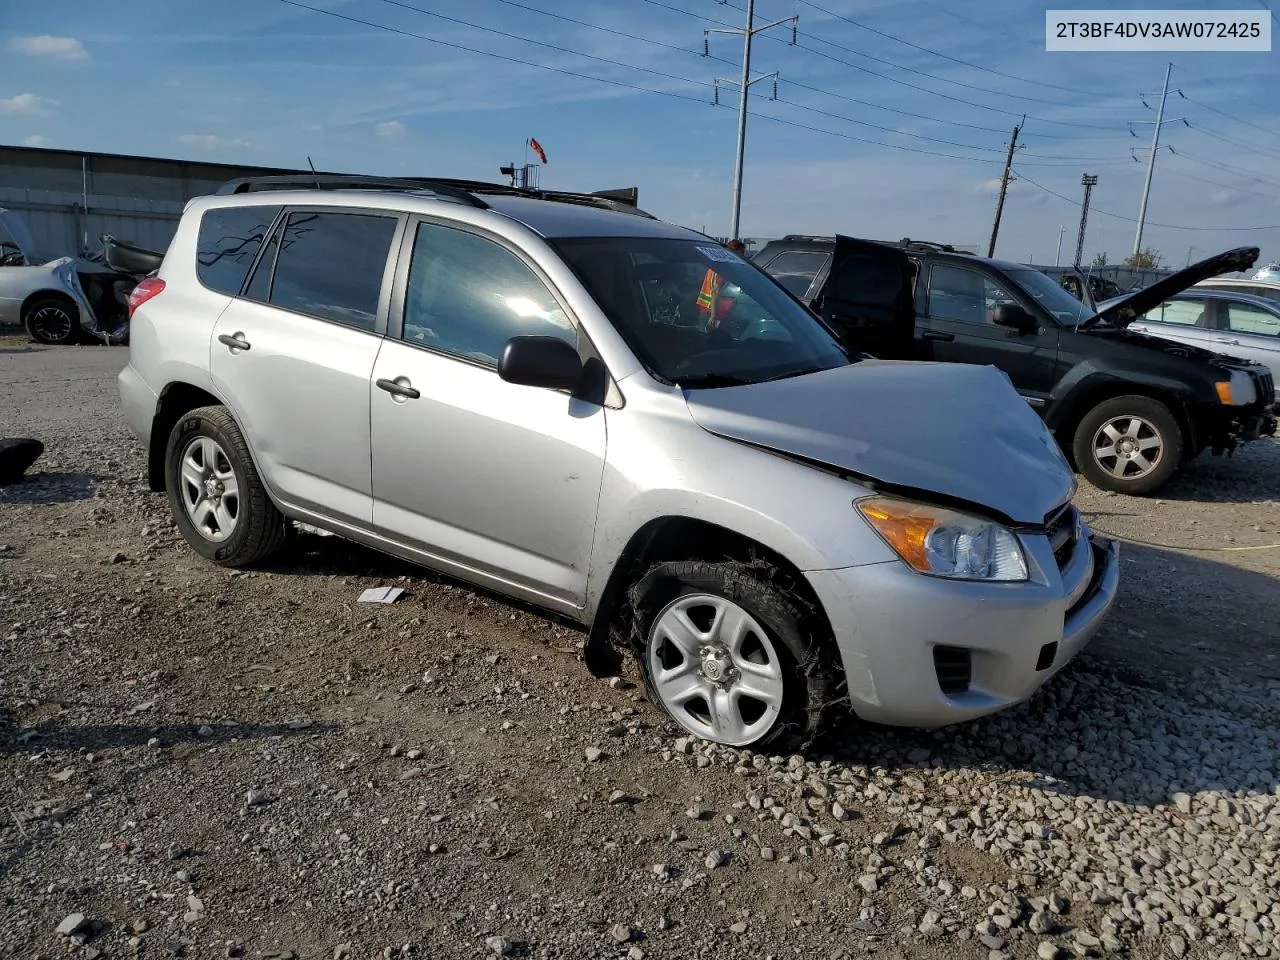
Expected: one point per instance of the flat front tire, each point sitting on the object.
(1128, 445)
(731, 654)
(215, 493)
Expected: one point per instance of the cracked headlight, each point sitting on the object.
(946, 543)
(1238, 391)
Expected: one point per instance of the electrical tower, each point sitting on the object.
(1089, 180)
(1160, 121)
(1004, 186)
(744, 88)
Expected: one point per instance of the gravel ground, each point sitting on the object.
(203, 763)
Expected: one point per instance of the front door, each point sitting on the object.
(958, 327)
(497, 481)
(292, 358)
(868, 298)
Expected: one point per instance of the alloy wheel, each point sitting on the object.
(1128, 447)
(715, 669)
(210, 493)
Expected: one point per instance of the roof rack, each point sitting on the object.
(908, 244)
(464, 191)
(805, 236)
(303, 181)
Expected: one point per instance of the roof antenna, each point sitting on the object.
(313, 172)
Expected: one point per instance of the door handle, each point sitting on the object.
(402, 391)
(235, 341)
(935, 335)
(1225, 340)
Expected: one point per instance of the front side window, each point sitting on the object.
(330, 265)
(228, 241)
(1187, 313)
(1050, 295)
(698, 315)
(964, 295)
(1246, 318)
(796, 269)
(468, 295)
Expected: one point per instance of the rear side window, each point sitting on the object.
(330, 265)
(229, 240)
(1246, 318)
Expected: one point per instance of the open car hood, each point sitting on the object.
(958, 431)
(1122, 312)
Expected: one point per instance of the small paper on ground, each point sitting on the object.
(381, 595)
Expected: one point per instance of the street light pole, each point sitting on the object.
(744, 88)
(1151, 161)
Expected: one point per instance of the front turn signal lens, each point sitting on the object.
(946, 543)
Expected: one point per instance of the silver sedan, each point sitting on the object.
(1235, 324)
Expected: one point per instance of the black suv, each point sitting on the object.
(1128, 409)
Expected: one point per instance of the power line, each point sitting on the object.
(1223, 113)
(1222, 165)
(488, 53)
(900, 82)
(1163, 226)
(963, 63)
(618, 83)
(670, 76)
(1241, 144)
(1218, 183)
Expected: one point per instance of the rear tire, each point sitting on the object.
(765, 685)
(1130, 445)
(215, 493)
(52, 320)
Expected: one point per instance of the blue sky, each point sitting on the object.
(263, 81)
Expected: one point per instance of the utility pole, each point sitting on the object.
(1151, 161)
(1089, 180)
(748, 34)
(1004, 186)
(1057, 258)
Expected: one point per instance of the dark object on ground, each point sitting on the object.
(16, 455)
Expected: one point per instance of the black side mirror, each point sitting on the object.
(547, 362)
(1013, 316)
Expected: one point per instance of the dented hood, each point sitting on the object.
(958, 431)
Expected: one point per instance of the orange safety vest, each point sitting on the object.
(709, 292)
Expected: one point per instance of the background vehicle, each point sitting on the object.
(620, 420)
(1234, 324)
(1268, 289)
(1087, 287)
(1129, 409)
(61, 300)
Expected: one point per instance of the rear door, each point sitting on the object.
(958, 328)
(1252, 332)
(869, 298)
(293, 356)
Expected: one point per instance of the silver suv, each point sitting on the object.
(622, 421)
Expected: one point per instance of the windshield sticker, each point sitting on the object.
(719, 254)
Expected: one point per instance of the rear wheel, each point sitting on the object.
(215, 494)
(731, 656)
(1128, 445)
(52, 320)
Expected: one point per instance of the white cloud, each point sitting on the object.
(26, 103)
(63, 48)
(391, 129)
(35, 140)
(209, 141)
(987, 188)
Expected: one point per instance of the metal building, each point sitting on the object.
(68, 198)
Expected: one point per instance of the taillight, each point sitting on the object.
(143, 292)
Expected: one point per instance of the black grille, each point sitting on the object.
(1061, 528)
(954, 667)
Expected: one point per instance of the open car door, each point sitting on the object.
(869, 298)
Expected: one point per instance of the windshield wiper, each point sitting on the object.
(713, 380)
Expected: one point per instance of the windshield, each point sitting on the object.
(1049, 293)
(698, 315)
